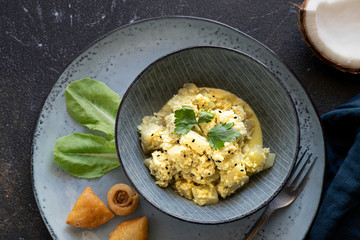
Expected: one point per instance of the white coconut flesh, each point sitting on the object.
(333, 27)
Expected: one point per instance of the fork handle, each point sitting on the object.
(266, 214)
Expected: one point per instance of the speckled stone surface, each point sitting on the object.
(39, 38)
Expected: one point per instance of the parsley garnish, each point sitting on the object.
(222, 133)
(205, 117)
(185, 120)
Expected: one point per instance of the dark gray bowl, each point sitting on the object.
(215, 67)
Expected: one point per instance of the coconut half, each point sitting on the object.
(332, 30)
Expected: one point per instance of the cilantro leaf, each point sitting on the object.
(222, 133)
(205, 117)
(185, 120)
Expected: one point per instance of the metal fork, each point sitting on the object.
(289, 193)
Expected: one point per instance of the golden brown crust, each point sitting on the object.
(122, 199)
(89, 211)
(321, 56)
(135, 229)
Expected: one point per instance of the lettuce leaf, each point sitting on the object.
(93, 104)
(85, 155)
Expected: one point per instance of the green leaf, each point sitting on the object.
(93, 104)
(222, 133)
(85, 155)
(185, 120)
(205, 117)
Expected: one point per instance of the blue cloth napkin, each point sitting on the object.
(339, 213)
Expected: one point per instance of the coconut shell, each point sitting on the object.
(318, 53)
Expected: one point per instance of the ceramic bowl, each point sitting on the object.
(215, 67)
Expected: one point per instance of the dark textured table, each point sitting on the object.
(39, 38)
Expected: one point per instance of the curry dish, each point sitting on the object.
(187, 162)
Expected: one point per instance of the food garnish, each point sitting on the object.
(89, 211)
(222, 133)
(94, 105)
(185, 120)
(134, 229)
(122, 199)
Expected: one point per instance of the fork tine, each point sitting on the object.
(305, 179)
(300, 159)
(296, 177)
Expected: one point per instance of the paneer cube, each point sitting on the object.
(231, 180)
(205, 194)
(239, 112)
(178, 154)
(204, 102)
(232, 160)
(160, 168)
(184, 189)
(195, 141)
(220, 155)
(255, 158)
(150, 136)
(269, 161)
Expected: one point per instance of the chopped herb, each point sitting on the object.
(235, 164)
(205, 117)
(185, 119)
(222, 133)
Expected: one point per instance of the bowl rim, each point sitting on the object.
(131, 86)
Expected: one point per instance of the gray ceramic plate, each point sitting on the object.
(212, 67)
(117, 59)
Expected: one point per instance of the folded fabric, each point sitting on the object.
(339, 213)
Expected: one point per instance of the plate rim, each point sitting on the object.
(36, 124)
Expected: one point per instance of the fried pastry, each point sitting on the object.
(122, 199)
(135, 229)
(89, 211)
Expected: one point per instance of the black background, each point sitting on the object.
(39, 38)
